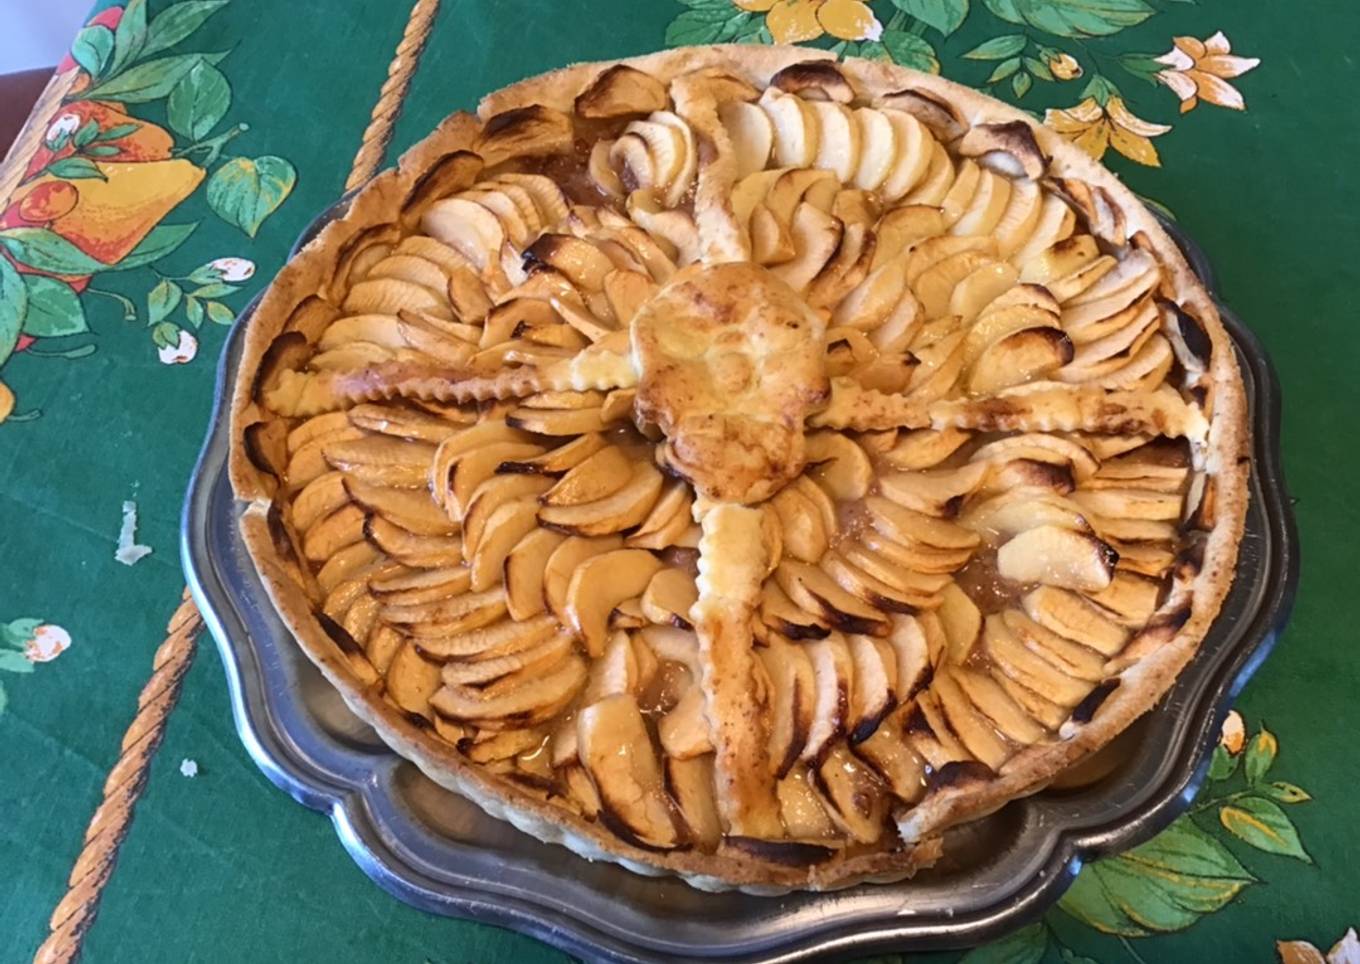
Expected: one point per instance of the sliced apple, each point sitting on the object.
(840, 466)
(412, 680)
(690, 783)
(557, 461)
(599, 584)
(796, 136)
(802, 813)
(1056, 221)
(407, 547)
(513, 700)
(683, 732)
(341, 528)
(1018, 358)
(564, 561)
(914, 154)
(937, 179)
(347, 562)
(1057, 556)
(818, 593)
(751, 133)
(490, 496)
(626, 508)
(937, 492)
(889, 755)
(779, 613)
(1020, 217)
(803, 532)
(617, 752)
(1072, 658)
(1130, 599)
(790, 699)
(408, 587)
(597, 476)
(1131, 504)
(542, 658)
(497, 639)
(833, 671)
(872, 695)
(1027, 668)
(851, 795)
(668, 598)
(975, 731)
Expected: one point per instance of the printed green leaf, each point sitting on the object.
(4, 698)
(193, 310)
(160, 241)
(13, 307)
(11, 662)
(1101, 89)
(220, 314)
(1025, 946)
(244, 192)
(1073, 18)
(702, 23)
(998, 48)
(177, 21)
(1070, 956)
(54, 309)
(214, 289)
(909, 50)
(75, 168)
(198, 101)
(116, 131)
(86, 133)
(92, 48)
(1265, 826)
(1223, 764)
(946, 16)
(102, 150)
(1038, 68)
(1142, 66)
(147, 81)
(48, 251)
(1020, 84)
(165, 335)
(129, 36)
(1163, 885)
(1004, 70)
(1261, 752)
(16, 633)
(162, 300)
(1282, 792)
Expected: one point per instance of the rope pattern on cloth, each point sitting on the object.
(124, 784)
(393, 93)
(76, 911)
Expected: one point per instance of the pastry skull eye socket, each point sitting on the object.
(731, 361)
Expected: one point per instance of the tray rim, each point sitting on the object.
(353, 814)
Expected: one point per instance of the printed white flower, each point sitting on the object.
(66, 124)
(188, 768)
(233, 269)
(1234, 733)
(47, 644)
(181, 352)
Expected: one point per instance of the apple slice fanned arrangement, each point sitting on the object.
(743, 466)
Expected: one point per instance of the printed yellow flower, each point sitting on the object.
(1064, 66)
(6, 401)
(1094, 128)
(1344, 951)
(1200, 69)
(794, 21)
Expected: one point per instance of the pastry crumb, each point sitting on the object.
(129, 551)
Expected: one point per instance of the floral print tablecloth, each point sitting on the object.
(182, 145)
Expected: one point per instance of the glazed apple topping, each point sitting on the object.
(815, 457)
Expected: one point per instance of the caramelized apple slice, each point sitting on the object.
(1056, 556)
(599, 584)
(617, 753)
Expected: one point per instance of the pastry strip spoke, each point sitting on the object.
(601, 371)
(732, 561)
(1035, 409)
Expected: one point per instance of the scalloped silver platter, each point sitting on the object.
(441, 853)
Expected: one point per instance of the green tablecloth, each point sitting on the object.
(203, 130)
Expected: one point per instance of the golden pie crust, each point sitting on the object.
(941, 443)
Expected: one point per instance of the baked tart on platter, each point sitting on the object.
(740, 464)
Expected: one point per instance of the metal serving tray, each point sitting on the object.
(439, 852)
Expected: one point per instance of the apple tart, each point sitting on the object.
(741, 464)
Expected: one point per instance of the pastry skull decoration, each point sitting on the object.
(731, 363)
